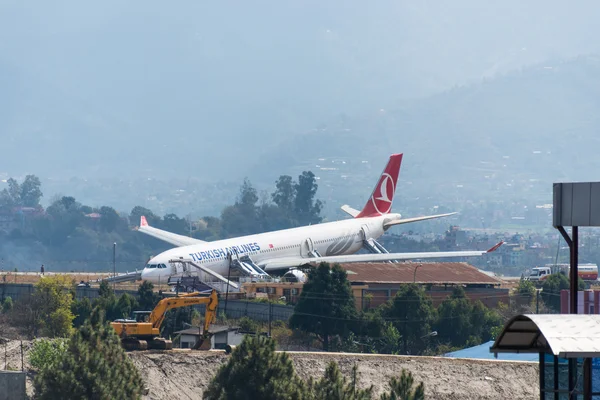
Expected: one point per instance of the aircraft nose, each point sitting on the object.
(146, 274)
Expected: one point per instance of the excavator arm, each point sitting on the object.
(189, 299)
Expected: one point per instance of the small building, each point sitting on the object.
(375, 283)
(221, 336)
(380, 282)
(588, 301)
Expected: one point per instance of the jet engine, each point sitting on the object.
(295, 275)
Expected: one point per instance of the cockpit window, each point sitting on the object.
(162, 266)
(151, 266)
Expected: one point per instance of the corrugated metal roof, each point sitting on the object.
(564, 335)
(482, 352)
(426, 273)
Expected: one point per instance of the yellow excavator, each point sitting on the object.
(143, 331)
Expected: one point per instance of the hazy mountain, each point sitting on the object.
(505, 138)
(208, 89)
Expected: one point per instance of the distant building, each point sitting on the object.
(588, 302)
(381, 281)
(375, 283)
(221, 337)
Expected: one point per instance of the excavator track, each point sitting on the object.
(131, 344)
(160, 344)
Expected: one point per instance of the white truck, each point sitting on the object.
(587, 272)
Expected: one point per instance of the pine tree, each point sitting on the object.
(402, 389)
(326, 306)
(255, 371)
(333, 386)
(94, 367)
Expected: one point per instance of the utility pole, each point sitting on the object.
(114, 264)
(537, 301)
(230, 259)
(270, 315)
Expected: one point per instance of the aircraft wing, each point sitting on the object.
(291, 262)
(173, 238)
(388, 224)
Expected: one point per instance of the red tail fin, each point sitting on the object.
(381, 199)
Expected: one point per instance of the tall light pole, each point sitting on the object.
(415, 273)
(114, 264)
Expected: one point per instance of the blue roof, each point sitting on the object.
(482, 352)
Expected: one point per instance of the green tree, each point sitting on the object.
(7, 304)
(31, 192)
(412, 313)
(284, 198)
(242, 218)
(11, 196)
(402, 389)
(390, 340)
(256, 371)
(334, 386)
(45, 353)
(248, 196)
(173, 223)
(50, 307)
(109, 219)
(94, 366)
(105, 290)
(454, 323)
(107, 301)
(551, 289)
(147, 299)
(485, 322)
(525, 292)
(308, 211)
(82, 309)
(126, 305)
(138, 211)
(326, 304)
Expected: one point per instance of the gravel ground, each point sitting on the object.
(181, 374)
(185, 374)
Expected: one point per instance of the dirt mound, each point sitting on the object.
(185, 374)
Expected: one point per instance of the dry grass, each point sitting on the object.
(34, 277)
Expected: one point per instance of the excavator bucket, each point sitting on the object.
(203, 344)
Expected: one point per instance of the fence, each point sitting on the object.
(19, 291)
(232, 308)
(254, 310)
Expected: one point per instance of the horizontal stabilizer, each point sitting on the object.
(349, 210)
(388, 224)
(292, 262)
(165, 236)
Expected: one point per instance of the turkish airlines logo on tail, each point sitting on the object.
(384, 194)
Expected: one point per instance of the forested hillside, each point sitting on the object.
(505, 138)
(206, 90)
(68, 235)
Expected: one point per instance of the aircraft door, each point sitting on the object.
(364, 232)
(307, 248)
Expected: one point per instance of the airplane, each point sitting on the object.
(332, 242)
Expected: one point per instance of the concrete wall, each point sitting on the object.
(12, 385)
(19, 291)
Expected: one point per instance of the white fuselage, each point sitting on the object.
(328, 239)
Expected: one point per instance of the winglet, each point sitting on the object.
(495, 247)
(143, 221)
